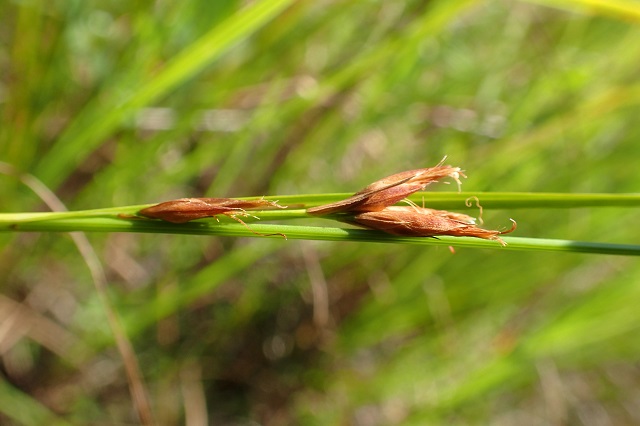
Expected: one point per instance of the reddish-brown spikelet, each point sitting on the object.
(186, 209)
(389, 190)
(411, 221)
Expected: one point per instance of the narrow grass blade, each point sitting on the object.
(212, 228)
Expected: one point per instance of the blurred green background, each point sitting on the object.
(115, 103)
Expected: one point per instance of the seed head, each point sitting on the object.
(389, 190)
(186, 209)
(412, 221)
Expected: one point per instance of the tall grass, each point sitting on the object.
(129, 104)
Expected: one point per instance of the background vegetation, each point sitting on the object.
(124, 103)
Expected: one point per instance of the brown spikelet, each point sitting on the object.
(389, 190)
(421, 222)
(186, 209)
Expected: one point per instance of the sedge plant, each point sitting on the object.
(118, 107)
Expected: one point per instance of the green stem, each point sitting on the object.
(212, 228)
(438, 200)
(488, 200)
(121, 219)
(463, 200)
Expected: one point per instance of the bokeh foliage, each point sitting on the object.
(118, 103)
